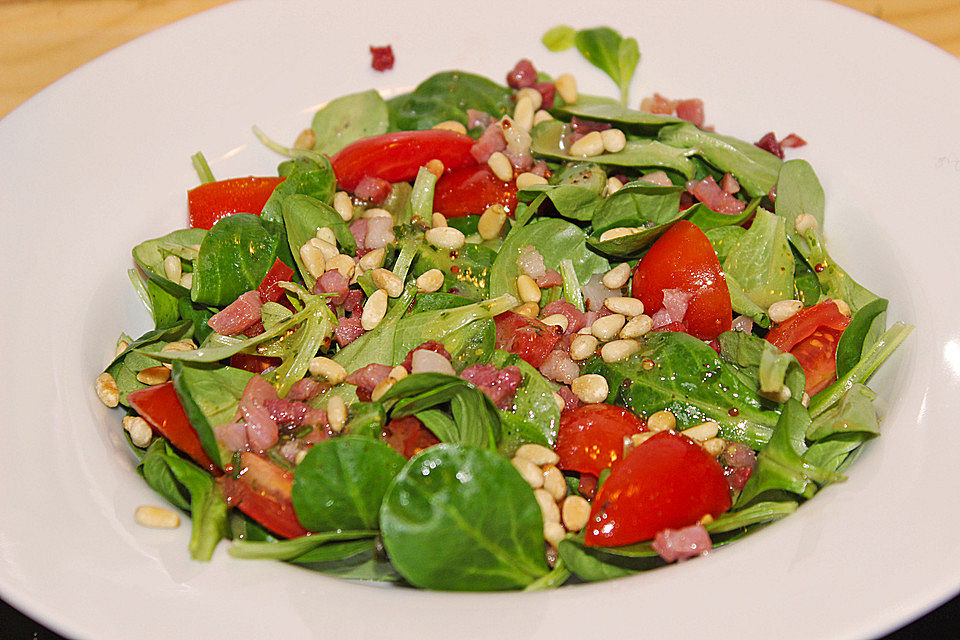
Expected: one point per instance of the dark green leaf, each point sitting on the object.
(347, 119)
(447, 96)
(303, 216)
(860, 334)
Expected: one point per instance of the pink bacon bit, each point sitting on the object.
(239, 315)
(709, 193)
(348, 330)
(576, 319)
(680, 544)
(522, 75)
(367, 379)
(498, 385)
(372, 189)
(382, 58)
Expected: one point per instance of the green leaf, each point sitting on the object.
(149, 256)
(853, 413)
(638, 204)
(761, 260)
(607, 50)
(348, 119)
(447, 96)
(860, 334)
(303, 216)
(295, 548)
(607, 110)
(768, 368)
(571, 201)
(307, 178)
(559, 38)
(466, 271)
(798, 192)
(365, 419)
(441, 500)
(139, 355)
(534, 416)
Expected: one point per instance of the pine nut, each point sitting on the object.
(553, 533)
(375, 212)
(172, 268)
(446, 238)
(523, 113)
(336, 413)
(538, 454)
(616, 277)
(121, 347)
(305, 140)
(613, 185)
(606, 328)
(783, 310)
(342, 263)
(382, 388)
(533, 95)
(297, 459)
(703, 431)
(372, 260)
(528, 471)
(588, 146)
(451, 125)
(327, 235)
(637, 326)
(638, 439)
(438, 220)
(805, 222)
(527, 288)
(541, 116)
(705, 520)
(582, 347)
(156, 517)
(153, 375)
(388, 281)
(548, 506)
(518, 139)
(373, 310)
(186, 280)
(614, 140)
(592, 388)
(330, 370)
(343, 205)
(618, 232)
(558, 399)
(140, 432)
(430, 281)
(491, 222)
(180, 345)
(500, 165)
(528, 309)
(714, 446)
(399, 372)
(327, 248)
(843, 307)
(575, 513)
(661, 421)
(554, 482)
(618, 350)
(435, 166)
(566, 86)
(624, 305)
(805, 399)
(527, 179)
(313, 259)
(557, 320)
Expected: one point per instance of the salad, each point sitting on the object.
(487, 336)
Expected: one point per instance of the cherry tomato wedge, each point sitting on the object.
(262, 490)
(590, 438)
(211, 201)
(397, 157)
(470, 190)
(529, 338)
(811, 337)
(270, 288)
(408, 436)
(160, 406)
(683, 258)
(668, 481)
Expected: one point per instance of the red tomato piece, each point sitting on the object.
(825, 315)
(262, 490)
(211, 201)
(270, 289)
(470, 190)
(683, 258)
(591, 437)
(667, 482)
(529, 338)
(408, 436)
(811, 336)
(397, 157)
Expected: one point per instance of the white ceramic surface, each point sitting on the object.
(100, 161)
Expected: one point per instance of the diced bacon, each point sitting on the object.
(737, 476)
(548, 91)
(588, 485)
(576, 319)
(359, 230)
(559, 367)
(253, 330)
(262, 429)
(581, 126)
(499, 385)
(490, 140)
(354, 302)
(379, 233)
(769, 143)
(240, 314)
(674, 308)
(348, 330)
(481, 375)
(318, 434)
(372, 189)
(522, 75)
(550, 279)
(792, 140)
(429, 345)
(657, 177)
(729, 184)
(521, 159)
(691, 110)
(232, 435)
(531, 262)
(290, 449)
(709, 193)
(742, 324)
(478, 119)
(540, 168)
(369, 377)
(382, 58)
(681, 544)
(304, 389)
(686, 201)
(333, 282)
(570, 399)
(658, 104)
(739, 455)
(292, 413)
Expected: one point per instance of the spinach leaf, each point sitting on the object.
(853, 413)
(798, 192)
(340, 483)
(708, 219)
(594, 564)
(534, 416)
(365, 419)
(303, 216)
(466, 272)
(353, 560)
(441, 501)
(306, 178)
(139, 355)
(234, 257)
(447, 96)
(835, 283)
(860, 334)
(149, 256)
(438, 300)
(758, 513)
(610, 52)
(607, 110)
(347, 119)
(768, 367)
(755, 169)
(761, 260)
(559, 38)
(154, 470)
(638, 204)
(296, 548)
(571, 201)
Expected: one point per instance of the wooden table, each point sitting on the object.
(42, 40)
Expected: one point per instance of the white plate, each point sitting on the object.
(100, 161)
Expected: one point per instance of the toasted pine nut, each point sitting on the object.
(639, 438)
(558, 399)
(557, 320)
(528, 309)
(588, 146)
(330, 370)
(618, 350)
(523, 113)
(327, 235)
(575, 513)
(180, 345)
(343, 205)
(529, 471)
(337, 413)
(606, 328)
(106, 388)
(156, 517)
(153, 375)
(388, 281)
(805, 399)
(613, 185)
(541, 116)
(342, 263)
(527, 179)
(451, 125)
(500, 165)
(313, 259)
(375, 212)
(140, 432)
(583, 346)
(805, 222)
(121, 347)
(172, 268)
(305, 140)
(548, 506)
(843, 307)
(435, 166)
(430, 281)
(527, 288)
(703, 431)
(714, 446)
(445, 238)
(399, 372)
(373, 310)
(783, 310)
(382, 388)
(661, 421)
(592, 388)
(438, 220)
(372, 260)
(553, 533)
(491, 222)
(618, 232)
(613, 140)
(538, 454)
(554, 482)
(535, 97)
(624, 305)
(637, 326)
(186, 280)
(566, 86)
(327, 248)
(297, 459)
(616, 277)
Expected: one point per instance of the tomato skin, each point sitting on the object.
(529, 338)
(397, 157)
(811, 336)
(668, 481)
(270, 288)
(160, 406)
(591, 437)
(214, 200)
(683, 258)
(408, 436)
(470, 190)
(262, 490)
